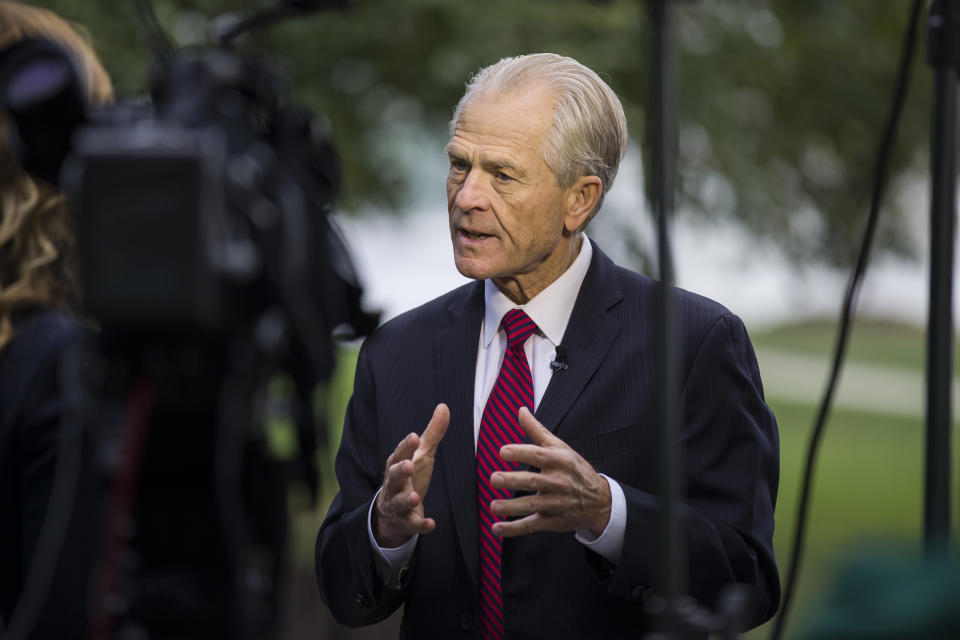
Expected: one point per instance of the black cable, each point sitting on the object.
(157, 39)
(233, 27)
(260, 19)
(853, 286)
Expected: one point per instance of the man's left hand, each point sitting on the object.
(569, 494)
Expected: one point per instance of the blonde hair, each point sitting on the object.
(37, 245)
(589, 132)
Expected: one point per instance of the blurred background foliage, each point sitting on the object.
(781, 103)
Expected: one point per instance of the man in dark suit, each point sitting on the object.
(498, 522)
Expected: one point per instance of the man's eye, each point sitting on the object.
(459, 165)
(502, 177)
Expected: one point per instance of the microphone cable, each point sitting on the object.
(881, 174)
(158, 42)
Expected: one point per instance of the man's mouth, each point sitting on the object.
(474, 236)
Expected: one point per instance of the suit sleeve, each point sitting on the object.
(50, 438)
(731, 462)
(39, 444)
(347, 574)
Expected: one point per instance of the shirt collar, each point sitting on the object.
(550, 309)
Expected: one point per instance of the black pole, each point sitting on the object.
(672, 568)
(944, 56)
(673, 614)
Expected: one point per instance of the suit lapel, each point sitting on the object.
(456, 357)
(587, 339)
(589, 336)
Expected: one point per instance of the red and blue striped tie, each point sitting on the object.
(499, 426)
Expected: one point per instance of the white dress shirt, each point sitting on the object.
(550, 310)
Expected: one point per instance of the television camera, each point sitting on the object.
(209, 260)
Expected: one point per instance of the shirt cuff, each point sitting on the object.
(609, 544)
(394, 559)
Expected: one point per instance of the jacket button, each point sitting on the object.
(466, 621)
(362, 599)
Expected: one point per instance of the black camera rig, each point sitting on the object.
(210, 262)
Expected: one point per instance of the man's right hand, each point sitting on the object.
(398, 512)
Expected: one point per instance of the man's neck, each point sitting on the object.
(521, 292)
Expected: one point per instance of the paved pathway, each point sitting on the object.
(864, 387)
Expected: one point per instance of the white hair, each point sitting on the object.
(589, 132)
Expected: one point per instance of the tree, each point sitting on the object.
(780, 107)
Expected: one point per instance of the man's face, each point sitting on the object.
(507, 212)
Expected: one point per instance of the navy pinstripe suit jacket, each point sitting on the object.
(603, 406)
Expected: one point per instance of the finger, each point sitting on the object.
(404, 450)
(537, 433)
(534, 455)
(530, 524)
(402, 509)
(527, 505)
(396, 519)
(524, 481)
(398, 505)
(398, 477)
(436, 429)
(422, 525)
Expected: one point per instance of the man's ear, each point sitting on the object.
(582, 197)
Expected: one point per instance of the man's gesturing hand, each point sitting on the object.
(569, 496)
(398, 512)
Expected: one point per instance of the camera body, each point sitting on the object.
(210, 209)
(209, 260)
(200, 210)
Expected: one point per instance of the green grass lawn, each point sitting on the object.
(869, 476)
(869, 483)
(868, 489)
(883, 343)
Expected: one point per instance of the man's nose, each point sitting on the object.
(473, 192)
